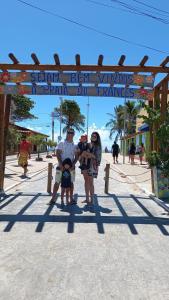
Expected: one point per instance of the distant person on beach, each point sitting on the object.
(115, 152)
(24, 153)
(106, 150)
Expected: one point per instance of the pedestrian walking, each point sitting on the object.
(24, 153)
(115, 152)
(141, 152)
(66, 149)
(132, 152)
(90, 170)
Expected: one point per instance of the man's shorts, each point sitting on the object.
(58, 175)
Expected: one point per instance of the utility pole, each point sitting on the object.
(53, 125)
(87, 119)
(60, 137)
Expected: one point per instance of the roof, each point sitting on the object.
(27, 130)
(144, 127)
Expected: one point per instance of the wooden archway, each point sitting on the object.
(160, 91)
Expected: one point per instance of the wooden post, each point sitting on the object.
(6, 125)
(2, 125)
(164, 94)
(156, 125)
(151, 131)
(107, 171)
(49, 183)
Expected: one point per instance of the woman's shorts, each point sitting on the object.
(23, 160)
(58, 175)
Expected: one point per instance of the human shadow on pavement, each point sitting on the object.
(78, 214)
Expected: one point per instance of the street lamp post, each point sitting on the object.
(87, 119)
(53, 124)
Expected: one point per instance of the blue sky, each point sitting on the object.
(26, 30)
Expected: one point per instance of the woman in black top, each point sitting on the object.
(93, 156)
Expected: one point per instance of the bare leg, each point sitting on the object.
(67, 195)
(86, 185)
(141, 160)
(25, 169)
(72, 201)
(62, 196)
(91, 188)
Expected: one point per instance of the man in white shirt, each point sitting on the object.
(66, 149)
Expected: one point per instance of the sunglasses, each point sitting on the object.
(70, 132)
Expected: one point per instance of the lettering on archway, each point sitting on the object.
(112, 84)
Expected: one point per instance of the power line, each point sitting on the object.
(131, 10)
(135, 10)
(92, 28)
(147, 5)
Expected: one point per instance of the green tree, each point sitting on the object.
(50, 144)
(132, 110)
(37, 140)
(13, 139)
(159, 158)
(69, 112)
(23, 106)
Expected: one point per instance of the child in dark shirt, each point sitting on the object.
(66, 182)
(83, 148)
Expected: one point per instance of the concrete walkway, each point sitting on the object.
(116, 250)
(14, 173)
(138, 174)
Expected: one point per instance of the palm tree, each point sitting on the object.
(69, 112)
(116, 122)
(132, 110)
(37, 140)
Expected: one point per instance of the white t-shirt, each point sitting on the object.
(67, 150)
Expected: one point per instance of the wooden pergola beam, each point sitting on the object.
(165, 62)
(121, 60)
(56, 58)
(35, 59)
(13, 58)
(143, 61)
(77, 58)
(100, 60)
(93, 68)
